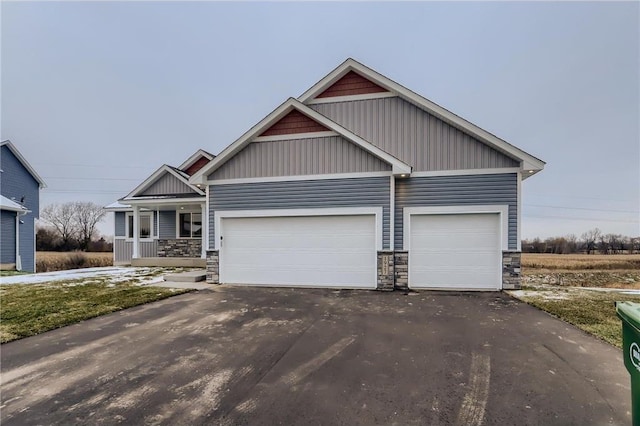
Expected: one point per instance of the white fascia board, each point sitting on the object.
(527, 160)
(349, 98)
(189, 161)
(465, 172)
(155, 201)
(294, 136)
(151, 179)
(24, 162)
(289, 105)
(354, 175)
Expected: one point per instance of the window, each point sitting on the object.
(190, 225)
(145, 225)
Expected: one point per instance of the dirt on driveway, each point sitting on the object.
(242, 355)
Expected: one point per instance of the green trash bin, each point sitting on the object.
(629, 313)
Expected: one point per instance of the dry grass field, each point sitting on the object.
(572, 262)
(48, 261)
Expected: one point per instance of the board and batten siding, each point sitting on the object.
(413, 135)
(168, 185)
(457, 191)
(294, 157)
(17, 183)
(302, 194)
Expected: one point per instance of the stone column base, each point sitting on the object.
(213, 267)
(385, 271)
(511, 270)
(401, 259)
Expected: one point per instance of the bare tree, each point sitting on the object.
(62, 218)
(87, 215)
(590, 239)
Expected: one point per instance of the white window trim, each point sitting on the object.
(190, 210)
(126, 226)
(338, 211)
(501, 209)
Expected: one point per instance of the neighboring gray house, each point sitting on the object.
(159, 223)
(19, 207)
(362, 183)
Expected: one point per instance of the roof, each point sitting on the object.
(528, 161)
(7, 204)
(24, 162)
(117, 206)
(398, 167)
(180, 175)
(195, 157)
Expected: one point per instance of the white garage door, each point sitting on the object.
(455, 251)
(323, 251)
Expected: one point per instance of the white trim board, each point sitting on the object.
(24, 162)
(528, 162)
(466, 172)
(294, 136)
(501, 209)
(349, 98)
(194, 157)
(337, 211)
(170, 200)
(154, 177)
(297, 178)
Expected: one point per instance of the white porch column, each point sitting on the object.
(136, 232)
(205, 229)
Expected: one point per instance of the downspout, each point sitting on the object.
(18, 258)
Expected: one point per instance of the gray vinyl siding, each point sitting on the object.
(309, 156)
(120, 224)
(8, 236)
(123, 250)
(168, 185)
(457, 191)
(413, 135)
(324, 193)
(17, 183)
(167, 224)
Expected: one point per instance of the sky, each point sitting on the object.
(98, 95)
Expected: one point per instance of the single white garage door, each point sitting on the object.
(323, 251)
(455, 251)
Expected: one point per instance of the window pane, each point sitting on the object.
(130, 231)
(185, 225)
(196, 224)
(145, 227)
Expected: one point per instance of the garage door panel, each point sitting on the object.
(455, 251)
(327, 251)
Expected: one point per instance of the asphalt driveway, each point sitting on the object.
(240, 355)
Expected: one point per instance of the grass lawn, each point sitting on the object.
(556, 284)
(589, 310)
(29, 309)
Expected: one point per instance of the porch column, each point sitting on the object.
(205, 229)
(136, 232)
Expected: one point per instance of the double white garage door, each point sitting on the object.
(448, 251)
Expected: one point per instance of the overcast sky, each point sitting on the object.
(97, 96)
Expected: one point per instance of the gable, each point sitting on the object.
(299, 157)
(292, 123)
(200, 163)
(350, 84)
(167, 184)
(413, 135)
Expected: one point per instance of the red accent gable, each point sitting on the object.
(202, 161)
(351, 83)
(294, 122)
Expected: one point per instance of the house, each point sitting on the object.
(362, 183)
(159, 223)
(19, 208)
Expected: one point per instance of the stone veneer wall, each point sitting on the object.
(213, 267)
(401, 259)
(179, 247)
(511, 270)
(385, 271)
